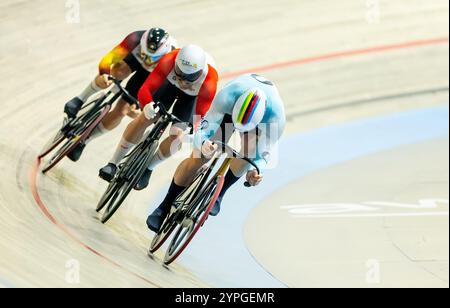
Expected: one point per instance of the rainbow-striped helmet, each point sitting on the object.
(249, 110)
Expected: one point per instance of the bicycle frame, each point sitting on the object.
(154, 134)
(133, 165)
(97, 105)
(192, 207)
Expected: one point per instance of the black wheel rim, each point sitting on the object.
(128, 177)
(170, 223)
(74, 136)
(106, 196)
(168, 226)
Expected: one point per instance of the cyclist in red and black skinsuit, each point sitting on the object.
(138, 53)
(185, 79)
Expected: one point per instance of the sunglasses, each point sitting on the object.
(187, 77)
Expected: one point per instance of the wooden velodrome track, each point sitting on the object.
(333, 61)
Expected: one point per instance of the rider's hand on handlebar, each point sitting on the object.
(209, 148)
(150, 111)
(134, 111)
(103, 81)
(253, 178)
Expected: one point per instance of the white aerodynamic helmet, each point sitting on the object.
(249, 110)
(190, 63)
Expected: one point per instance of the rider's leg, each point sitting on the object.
(135, 130)
(184, 174)
(111, 120)
(125, 106)
(169, 147)
(94, 87)
(165, 95)
(119, 70)
(101, 129)
(115, 117)
(122, 70)
(132, 135)
(183, 109)
(187, 170)
(74, 105)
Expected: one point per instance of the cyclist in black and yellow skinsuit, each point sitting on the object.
(138, 53)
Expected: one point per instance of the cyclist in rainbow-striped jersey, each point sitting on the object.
(251, 105)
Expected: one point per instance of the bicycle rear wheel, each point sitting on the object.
(127, 179)
(189, 226)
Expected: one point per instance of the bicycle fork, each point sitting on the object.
(225, 166)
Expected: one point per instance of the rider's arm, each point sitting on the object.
(270, 133)
(206, 94)
(157, 78)
(119, 52)
(265, 150)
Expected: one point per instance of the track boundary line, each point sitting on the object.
(35, 192)
(339, 54)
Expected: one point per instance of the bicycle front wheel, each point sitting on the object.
(194, 220)
(79, 134)
(129, 176)
(109, 193)
(53, 142)
(181, 204)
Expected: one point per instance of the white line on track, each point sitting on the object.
(431, 214)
